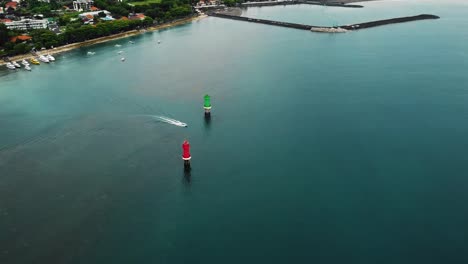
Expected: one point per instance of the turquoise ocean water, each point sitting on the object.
(346, 148)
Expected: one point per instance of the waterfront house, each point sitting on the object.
(12, 5)
(90, 15)
(27, 24)
(20, 38)
(136, 16)
(82, 5)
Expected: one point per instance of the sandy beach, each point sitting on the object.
(104, 39)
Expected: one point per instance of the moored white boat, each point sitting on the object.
(16, 64)
(50, 57)
(25, 62)
(43, 58)
(27, 68)
(10, 66)
(122, 59)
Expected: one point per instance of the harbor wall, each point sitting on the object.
(309, 27)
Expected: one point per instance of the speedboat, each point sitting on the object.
(16, 64)
(120, 52)
(90, 53)
(118, 45)
(131, 42)
(43, 58)
(122, 59)
(27, 68)
(173, 121)
(159, 42)
(34, 61)
(10, 66)
(25, 62)
(50, 57)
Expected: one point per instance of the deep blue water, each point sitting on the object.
(347, 148)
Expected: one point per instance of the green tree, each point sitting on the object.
(21, 48)
(3, 34)
(230, 2)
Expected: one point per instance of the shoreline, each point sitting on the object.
(90, 42)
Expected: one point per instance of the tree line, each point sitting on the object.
(76, 31)
(46, 38)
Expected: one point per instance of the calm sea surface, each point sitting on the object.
(346, 148)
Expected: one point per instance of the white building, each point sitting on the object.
(80, 5)
(27, 24)
(95, 13)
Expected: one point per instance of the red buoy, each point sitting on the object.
(186, 150)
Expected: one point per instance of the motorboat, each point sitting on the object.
(173, 121)
(159, 41)
(131, 42)
(122, 59)
(120, 52)
(27, 68)
(10, 66)
(16, 64)
(50, 57)
(90, 53)
(35, 61)
(25, 62)
(117, 45)
(43, 58)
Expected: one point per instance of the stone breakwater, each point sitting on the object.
(338, 29)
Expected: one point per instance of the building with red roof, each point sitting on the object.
(20, 38)
(137, 16)
(13, 5)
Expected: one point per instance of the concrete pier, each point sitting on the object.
(327, 29)
(295, 2)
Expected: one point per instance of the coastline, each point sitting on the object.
(90, 42)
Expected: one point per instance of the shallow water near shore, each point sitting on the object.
(347, 148)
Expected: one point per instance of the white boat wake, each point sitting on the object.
(169, 120)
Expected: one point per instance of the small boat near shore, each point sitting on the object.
(90, 53)
(35, 61)
(25, 62)
(50, 57)
(43, 59)
(117, 45)
(16, 64)
(10, 66)
(122, 59)
(27, 68)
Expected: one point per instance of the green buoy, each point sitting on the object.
(207, 105)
